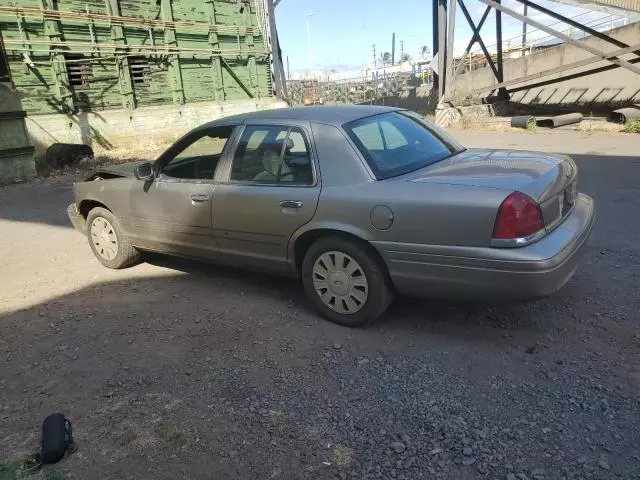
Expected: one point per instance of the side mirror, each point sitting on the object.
(144, 171)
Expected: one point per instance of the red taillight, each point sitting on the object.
(518, 216)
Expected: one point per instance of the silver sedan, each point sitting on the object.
(361, 203)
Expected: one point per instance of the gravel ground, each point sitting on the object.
(176, 369)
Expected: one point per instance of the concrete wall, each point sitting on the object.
(16, 156)
(120, 129)
(617, 86)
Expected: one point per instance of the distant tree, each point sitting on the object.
(385, 59)
(405, 57)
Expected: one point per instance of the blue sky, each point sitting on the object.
(344, 30)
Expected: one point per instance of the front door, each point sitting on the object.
(271, 191)
(173, 212)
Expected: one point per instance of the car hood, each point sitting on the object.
(121, 169)
(539, 175)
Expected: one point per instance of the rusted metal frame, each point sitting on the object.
(58, 61)
(476, 33)
(566, 38)
(473, 40)
(122, 59)
(216, 62)
(578, 25)
(237, 79)
(571, 76)
(175, 72)
(561, 68)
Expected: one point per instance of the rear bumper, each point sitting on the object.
(537, 270)
(76, 219)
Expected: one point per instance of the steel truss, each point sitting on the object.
(443, 38)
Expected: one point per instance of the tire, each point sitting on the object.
(346, 281)
(109, 244)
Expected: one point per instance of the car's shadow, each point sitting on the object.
(406, 313)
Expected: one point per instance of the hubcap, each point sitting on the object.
(340, 282)
(104, 238)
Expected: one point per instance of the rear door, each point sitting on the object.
(173, 212)
(270, 189)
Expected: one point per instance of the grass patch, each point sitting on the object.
(25, 470)
(342, 456)
(129, 436)
(171, 436)
(10, 470)
(632, 127)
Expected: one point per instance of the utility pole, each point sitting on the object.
(393, 49)
(375, 59)
(401, 51)
(524, 32)
(288, 70)
(310, 48)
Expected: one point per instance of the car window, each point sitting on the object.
(199, 158)
(272, 155)
(394, 143)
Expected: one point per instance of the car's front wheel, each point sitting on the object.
(346, 281)
(108, 242)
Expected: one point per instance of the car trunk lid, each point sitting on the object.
(549, 179)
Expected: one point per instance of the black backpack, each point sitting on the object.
(57, 438)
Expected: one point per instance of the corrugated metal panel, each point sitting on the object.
(90, 51)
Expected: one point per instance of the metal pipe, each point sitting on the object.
(560, 120)
(624, 115)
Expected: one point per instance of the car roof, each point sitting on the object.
(329, 114)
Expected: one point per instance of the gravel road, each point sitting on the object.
(176, 369)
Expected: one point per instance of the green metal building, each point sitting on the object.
(70, 57)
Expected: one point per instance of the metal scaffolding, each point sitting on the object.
(443, 41)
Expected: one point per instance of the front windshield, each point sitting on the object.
(396, 143)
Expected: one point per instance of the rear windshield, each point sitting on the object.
(399, 142)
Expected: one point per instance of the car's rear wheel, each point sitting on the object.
(108, 243)
(346, 281)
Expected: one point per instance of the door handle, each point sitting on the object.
(200, 198)
(291, 204)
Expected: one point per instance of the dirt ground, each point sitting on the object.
(175, 369)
